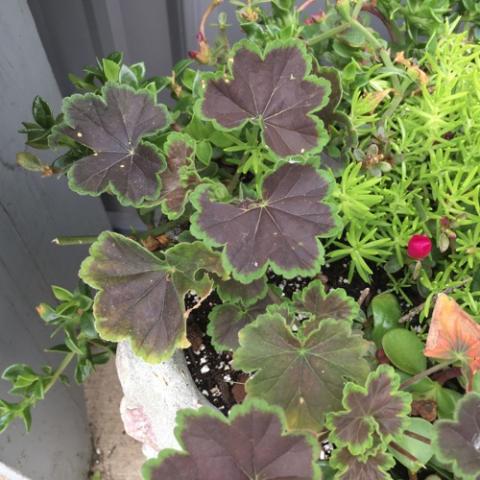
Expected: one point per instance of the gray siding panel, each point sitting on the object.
(32, 212)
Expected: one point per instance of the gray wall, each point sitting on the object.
(32, 212)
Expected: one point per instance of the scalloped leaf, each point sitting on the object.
(457, 442)
(226, 321)
(113, 126)
(191, 266)
(141, 297)
(180, 177)
(335, 304)
(303, 374)
(231, 291)
(280, 230)
(353, 467)
(453, 334)
(251, 444)
(346, 137)
(137, 298)
(275, 90)
(378, 409)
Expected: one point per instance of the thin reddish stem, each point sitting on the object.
(206, 14)
(305, 5)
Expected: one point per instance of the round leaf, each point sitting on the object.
(405, 350)
(386, 312)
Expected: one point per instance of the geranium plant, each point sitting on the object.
(296, 176)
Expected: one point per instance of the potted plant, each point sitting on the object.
(308, 279)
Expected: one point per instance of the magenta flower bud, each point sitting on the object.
(419, 247)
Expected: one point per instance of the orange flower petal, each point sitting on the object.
(453, 333)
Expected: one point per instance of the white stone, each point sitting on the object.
(153, 394)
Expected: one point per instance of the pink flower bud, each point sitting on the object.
(419, 247)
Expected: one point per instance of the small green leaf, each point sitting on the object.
(386, 312)
(29, 162)
(83, 370)
(204, 151)
(111, 70)
(101, 358)
(62, 348)
(62, 294)
(26, 416)
(42, 113)
(417, 445)
(405, 350)
(127, 76)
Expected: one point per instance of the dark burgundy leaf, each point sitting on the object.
(180, 177)
(304, 375)
(251, 445)
(280, 230)
(335, 304)
(228, 319)
(356, 467)
(247, 294)
(378, 408)
(333, 76)
(457, 442)
(335, 154)
(137, 299)
(113, 127)
(275, 90)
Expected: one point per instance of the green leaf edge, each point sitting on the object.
(67, 122)
(150, 357)
(273, 313)
(436, 434)
(351, 387)
(197, 232)
(228, 298)
(342, 468)
(243, 409)
(212, 322)
(340, 292)
(323, 137)
(185, 169)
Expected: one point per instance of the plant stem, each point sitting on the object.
(416, 310)
(66, 241)
(358, 8)
(385, 56)
(329, 33)
(305, 5)
(213, 5)
(402, 451)
(418, 437)
(161, 229)
(392, 28)
(356, 24)
(426, 373)
(87, 240)
(61, 368)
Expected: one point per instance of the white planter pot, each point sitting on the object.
(153, 394)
